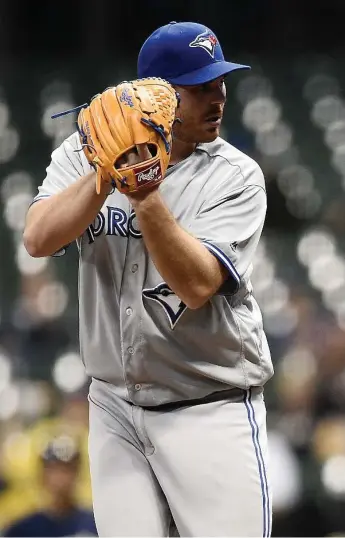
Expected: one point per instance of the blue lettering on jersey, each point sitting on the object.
(96, 229)
(116, 222)
(172, 305)
(133, 231)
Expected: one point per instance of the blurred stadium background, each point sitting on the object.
(288, 112)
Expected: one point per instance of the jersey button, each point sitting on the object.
(130, 350)
(137, 386)
(134, 268)
(129, 311)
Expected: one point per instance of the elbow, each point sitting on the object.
(31, 245)
(198, 298)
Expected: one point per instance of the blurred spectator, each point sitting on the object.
(61, 514)
(20, 465)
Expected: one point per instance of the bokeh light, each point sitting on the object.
(15, 211)
(5, 371)
(261, 114)
(69, 373)
(28, 265)
(327, 110)
(9, 401)
(320, 85)
(314, 243)
(52, 299)
(333, 475)
(16, 183)
(251, 87)
(34, 399)
(9, 144)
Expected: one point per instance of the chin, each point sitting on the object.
(209, 136)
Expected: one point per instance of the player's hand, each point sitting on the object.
(130, 158)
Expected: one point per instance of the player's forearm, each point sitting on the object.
(184, 263)
(57, 221)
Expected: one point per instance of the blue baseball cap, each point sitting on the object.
(184, 53)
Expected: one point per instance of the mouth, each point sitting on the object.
(215, 120)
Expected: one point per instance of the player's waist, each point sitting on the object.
(231, 395)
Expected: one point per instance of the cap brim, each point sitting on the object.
(206, 73)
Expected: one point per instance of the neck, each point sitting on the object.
(181, 150)
(60, 506)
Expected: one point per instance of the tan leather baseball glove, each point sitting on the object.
(135, 116)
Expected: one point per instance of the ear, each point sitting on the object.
(178, 95)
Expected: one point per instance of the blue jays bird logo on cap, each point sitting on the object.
(206, 41)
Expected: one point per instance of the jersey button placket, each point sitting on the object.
(130, 305)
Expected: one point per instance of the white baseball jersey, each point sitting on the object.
(135, 333)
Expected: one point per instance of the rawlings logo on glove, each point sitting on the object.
(154, 173)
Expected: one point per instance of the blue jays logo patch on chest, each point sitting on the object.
(171, 304)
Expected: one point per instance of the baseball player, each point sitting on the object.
(59, 514)
(170, 332)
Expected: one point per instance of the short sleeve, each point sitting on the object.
(230, 226)
(67, 164)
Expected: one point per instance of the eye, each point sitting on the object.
(205, 87)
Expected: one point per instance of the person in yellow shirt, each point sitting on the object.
(60, 513)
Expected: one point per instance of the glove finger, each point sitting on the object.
(106, 139)
(94, 151)
(85, 135)
(163, 94)
(116, 121)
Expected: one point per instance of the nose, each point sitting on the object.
(219, 94)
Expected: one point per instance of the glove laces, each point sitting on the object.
(160, 130)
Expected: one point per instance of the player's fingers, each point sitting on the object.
(144, 152)
(128, 159)
(134, 156)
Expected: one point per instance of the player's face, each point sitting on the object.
(201, 111)
(60, 478)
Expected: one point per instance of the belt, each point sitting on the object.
(235, 394)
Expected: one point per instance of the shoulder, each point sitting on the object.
(23, 526)
(69, 154)
(69, 148)
(242, 168)
(86, 516)
(72, 143)
(84, 512)
(86, 522)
